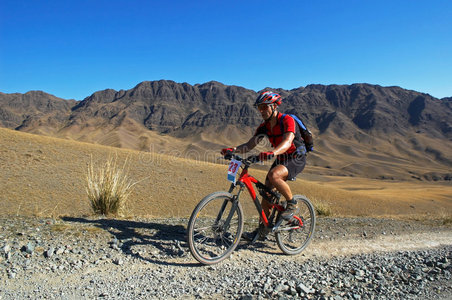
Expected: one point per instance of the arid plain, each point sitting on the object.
(46, 177)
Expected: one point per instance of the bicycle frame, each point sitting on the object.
(246, 180)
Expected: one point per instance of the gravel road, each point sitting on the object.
(349, 258)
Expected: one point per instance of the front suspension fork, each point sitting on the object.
(235, 204)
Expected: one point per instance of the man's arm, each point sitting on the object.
(285, 144)
(248, 146)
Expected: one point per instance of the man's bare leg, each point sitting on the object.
(277, 178)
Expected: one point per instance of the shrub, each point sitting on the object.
(447, 220)
(108, 187)
(322, 208)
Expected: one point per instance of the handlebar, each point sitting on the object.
(247, 161)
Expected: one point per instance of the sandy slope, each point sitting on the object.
(46, 176)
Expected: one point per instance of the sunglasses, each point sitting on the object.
(262, 106)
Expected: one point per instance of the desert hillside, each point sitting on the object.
(360, 130)
(45, 176)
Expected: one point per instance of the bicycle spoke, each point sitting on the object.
(199, 233)
(202, 228)
(293, 237)
(201, 241)
(225, 241)
(213, 228)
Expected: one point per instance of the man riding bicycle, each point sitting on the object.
(283, 134)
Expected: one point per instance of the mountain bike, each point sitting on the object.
(216, 224)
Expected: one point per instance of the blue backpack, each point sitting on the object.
(303, 137)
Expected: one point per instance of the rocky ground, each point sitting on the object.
(358, 258)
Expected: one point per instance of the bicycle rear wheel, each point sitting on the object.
(293, 237)
(215, 228)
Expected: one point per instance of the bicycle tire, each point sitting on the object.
(209, 241)
(293, 241)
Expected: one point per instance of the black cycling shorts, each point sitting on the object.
(294, 165)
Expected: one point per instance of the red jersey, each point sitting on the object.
(275, 135)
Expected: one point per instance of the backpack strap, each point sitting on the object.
(281, 124)
(299, 128)
(299, 122)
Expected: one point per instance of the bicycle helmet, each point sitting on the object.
(268, 98)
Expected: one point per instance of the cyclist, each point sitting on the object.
(289, 162)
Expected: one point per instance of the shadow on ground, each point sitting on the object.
(153, 242)
(149, 241)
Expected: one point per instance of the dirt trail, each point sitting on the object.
(354, 236)
(404, 242)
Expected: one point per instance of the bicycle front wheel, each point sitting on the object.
(215, 228)
(294, 236)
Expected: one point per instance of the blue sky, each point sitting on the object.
(73, 48)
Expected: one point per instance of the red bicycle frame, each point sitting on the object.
(247, 180)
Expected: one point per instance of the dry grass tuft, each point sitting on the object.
(447, 220)
(322, 208)
(108, 187)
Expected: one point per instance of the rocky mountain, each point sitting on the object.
(349, 121)
(166, 106)
(33, 110)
